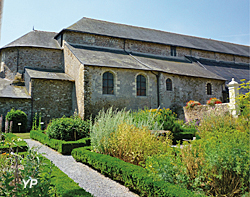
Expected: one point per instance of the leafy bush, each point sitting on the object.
(217, 164)
(134, 145)
(243, 102)
(134, 177)
(60, 145)
(68, 129)
(17, 116)
(51, 180)
(167, 120)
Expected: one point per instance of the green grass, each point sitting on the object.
(23, 135)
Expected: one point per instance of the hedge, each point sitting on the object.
(134, 177)
(64, 147)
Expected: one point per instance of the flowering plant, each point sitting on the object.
(191, 104)
(213, 101)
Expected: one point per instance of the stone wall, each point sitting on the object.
(184, 89)
(52, 98)
(93, 40)
(198, 112)
(14, 59)
(6, 104)
(124, 90)
(76, 70)
(147, 47)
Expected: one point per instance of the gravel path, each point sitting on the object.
(89, 179)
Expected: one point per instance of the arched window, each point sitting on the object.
(169, 84)
(108, 83)
(209, 89)
(141, 85)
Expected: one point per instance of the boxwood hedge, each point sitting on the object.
(64, 147)
(134, 177)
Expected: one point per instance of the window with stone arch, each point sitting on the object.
(108, 83)
(169, 84)
(209, 89)
(141, 85)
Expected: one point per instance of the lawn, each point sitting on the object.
(23, 135)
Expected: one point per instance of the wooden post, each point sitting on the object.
(6, 126)
(11, 125)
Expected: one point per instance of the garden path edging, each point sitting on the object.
(90, 180)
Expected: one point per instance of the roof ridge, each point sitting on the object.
(163, 31)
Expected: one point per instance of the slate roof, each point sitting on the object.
(227, 70)
(8, 90)
(36, 38)
(99, 27)
(95, 56)
(47, 74)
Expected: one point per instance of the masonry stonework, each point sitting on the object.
(6, 104)
(185, 89)
(52, 98)
(17, 58)
(125, 80)
(93, 40)
(75, 69)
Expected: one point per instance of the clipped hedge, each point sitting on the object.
(65, 186)
(60, 145)
(134, 177)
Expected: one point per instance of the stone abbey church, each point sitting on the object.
(96, 64)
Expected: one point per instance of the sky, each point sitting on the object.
(224, 20)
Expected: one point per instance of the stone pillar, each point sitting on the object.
(233, 93)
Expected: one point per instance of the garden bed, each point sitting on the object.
(134, 177)
(63, 147)
(22, 145)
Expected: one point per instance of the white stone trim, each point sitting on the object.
(116, 81)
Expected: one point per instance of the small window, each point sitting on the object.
(209, 89)
(173, 51)
(141, 85)
(169, 84)
(108, 83)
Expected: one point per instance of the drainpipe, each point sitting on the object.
(158, 87)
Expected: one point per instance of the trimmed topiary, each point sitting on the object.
(17, 116)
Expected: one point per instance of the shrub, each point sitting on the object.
(134, 145)
(217, 164)
(106, 123)
(134, 177)
(191, 104)
(68, 129)
(213, 101)
(168, 121)
(17, 116)
(60, 145)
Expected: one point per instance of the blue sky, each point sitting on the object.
(225, 20)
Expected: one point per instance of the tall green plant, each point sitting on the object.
(106, 123)
(217, 164)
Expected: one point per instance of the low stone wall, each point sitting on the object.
(199, 111)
